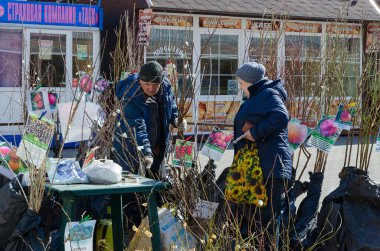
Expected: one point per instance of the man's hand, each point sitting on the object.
(181, 126)
(248, 135)
(148, 161)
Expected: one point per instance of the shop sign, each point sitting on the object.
(50, 14)
(259, 25)
(224, 23)
(169, 50)
(372, 43)
(172, 20)
(145, 18)
(303, 27)
(343, 29)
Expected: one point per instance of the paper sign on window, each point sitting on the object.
(45, 49)
(81, 51)
(232, 87)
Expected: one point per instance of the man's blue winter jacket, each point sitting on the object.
(136, 121)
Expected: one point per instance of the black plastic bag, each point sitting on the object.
(28, 235)
(350, 215)
(12, 206)
(306, 218)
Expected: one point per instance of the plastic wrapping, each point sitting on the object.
(12, 205)
(103, 173)
(67, 172)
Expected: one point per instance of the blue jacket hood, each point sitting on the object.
(273, 86)
(128, 87)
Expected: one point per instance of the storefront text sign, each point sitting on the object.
(303, 27)
(50, 14)
(224, 23)
(343, 29)
(169, 50)
(372, 43)
(172, 20)
(145, 18)
(259, 25)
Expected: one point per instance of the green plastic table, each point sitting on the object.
(68, 194)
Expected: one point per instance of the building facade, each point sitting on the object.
(294, 39)
(43, 45)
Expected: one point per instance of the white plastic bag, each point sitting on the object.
(103, 173)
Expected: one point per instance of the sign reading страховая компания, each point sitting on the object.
(50, 14)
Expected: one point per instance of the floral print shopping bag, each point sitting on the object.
(245, 181)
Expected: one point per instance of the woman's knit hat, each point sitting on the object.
(251, 72)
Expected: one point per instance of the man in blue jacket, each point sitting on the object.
(148, 109)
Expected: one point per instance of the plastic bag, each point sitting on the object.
(103, 173)
(12, 206)
(28, 235)
(245, 181)
(67, 172)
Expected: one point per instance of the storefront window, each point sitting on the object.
(10, 57)
(264, 50)
(176, 47)
(303, 63)
(219, 62)
(47, 59)
(82, 52)
(343, 56)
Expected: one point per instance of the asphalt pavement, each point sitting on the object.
(335, 162)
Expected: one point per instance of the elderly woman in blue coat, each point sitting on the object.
(264, 110)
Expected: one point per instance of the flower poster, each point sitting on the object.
(378, 142)
(183, 153)
(217, 143)
(37, 101)
(297, 134)
(325, 134)
(79, 235)
(90, 157)
(53, 100)
(344, 116)
(36, 140)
